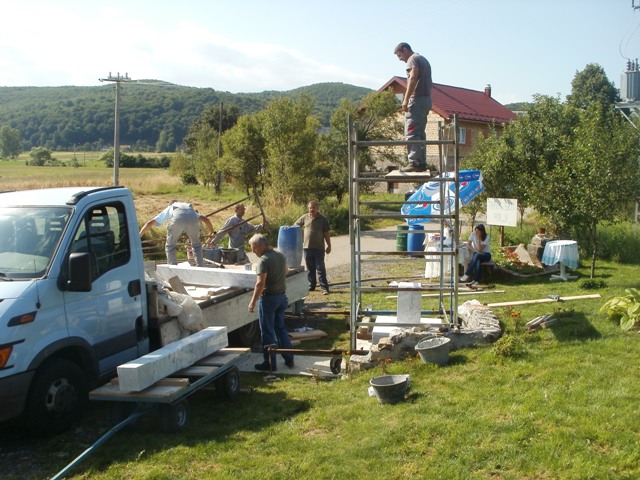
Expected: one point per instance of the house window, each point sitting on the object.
(462, 136)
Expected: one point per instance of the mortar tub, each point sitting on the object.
(213, 253)
(434, 350)
(229, 255)
(390, 388)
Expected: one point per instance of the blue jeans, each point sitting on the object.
(271, 310)
(473, 270)
(314, 258)
(415, 125)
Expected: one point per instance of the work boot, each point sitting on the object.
(414, 167)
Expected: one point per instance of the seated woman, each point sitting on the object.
(480, 246)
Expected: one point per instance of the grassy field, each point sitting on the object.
(557, 403)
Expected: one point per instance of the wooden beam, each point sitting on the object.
(543, 300)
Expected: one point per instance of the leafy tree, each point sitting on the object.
(10, 142)
(244, 152)
(205, 154)
(40, 156)
(598, 177)
(374, 119)
(291, 133)
(592, 85)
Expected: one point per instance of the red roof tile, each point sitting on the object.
(470, 105)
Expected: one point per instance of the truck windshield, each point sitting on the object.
(29, 238)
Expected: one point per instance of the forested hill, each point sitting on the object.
(64, 117)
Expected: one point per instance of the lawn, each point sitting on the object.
(565, 408)
(557, 403)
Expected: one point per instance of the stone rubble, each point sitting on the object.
(478, 326)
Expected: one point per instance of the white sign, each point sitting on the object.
(502, 212)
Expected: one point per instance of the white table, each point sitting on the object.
(563, 251)
(432, 267)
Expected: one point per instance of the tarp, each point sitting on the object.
(470, 187)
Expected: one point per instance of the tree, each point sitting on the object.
(598, 177)
(244, 152)
(40, 156)
(10, 142)
(592, 85)
(375, 119)
(291, 133)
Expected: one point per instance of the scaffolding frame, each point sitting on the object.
(447, 289)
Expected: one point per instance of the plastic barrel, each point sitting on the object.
(415, 241)
(401, 238)
(290, 245)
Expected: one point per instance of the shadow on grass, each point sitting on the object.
(573, 326)
(211, 420)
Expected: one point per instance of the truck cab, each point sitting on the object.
(72, 299)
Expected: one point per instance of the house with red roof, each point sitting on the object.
(477, 112)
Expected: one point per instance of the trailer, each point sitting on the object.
(167, 397)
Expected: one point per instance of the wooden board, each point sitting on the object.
(543, 300)
(404, 176)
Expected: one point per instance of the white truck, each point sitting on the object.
(74, 299)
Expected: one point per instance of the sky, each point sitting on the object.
(519, 47)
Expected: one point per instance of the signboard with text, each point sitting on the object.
(502, 212)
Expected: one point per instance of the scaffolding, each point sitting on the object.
(366, 301)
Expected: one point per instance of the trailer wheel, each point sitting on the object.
(174, 418)
(228, 385)
(335, 364)
(57, 398)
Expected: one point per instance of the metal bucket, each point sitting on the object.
(390, 388)
(212, 253)
(434, 350)
(229, 255)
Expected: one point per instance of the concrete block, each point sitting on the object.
(139, 374)
(379, 332)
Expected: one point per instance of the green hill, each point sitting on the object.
(63, 117)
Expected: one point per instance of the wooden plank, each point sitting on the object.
(197, 371)
(543, 300)
(161, 390)
(446, 294)
(307, 335)
(148, 369)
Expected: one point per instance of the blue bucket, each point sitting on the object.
(290, 245)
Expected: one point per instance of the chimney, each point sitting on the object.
(487, 90)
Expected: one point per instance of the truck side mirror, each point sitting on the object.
(80, 276)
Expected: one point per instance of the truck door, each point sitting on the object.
(110, 316)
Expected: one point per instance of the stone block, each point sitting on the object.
(142, 372)
(409, 303)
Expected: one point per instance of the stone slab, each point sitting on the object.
(409, 303)
(143, 372)
(380, 332)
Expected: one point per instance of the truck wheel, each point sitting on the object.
(57, 398)
(228, 385)
(174, 418)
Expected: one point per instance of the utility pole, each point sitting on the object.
(116, 130)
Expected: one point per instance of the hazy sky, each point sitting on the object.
(520, 47)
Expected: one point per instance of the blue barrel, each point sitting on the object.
(415, 240)
(290, 245)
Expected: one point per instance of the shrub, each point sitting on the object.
(624, 308)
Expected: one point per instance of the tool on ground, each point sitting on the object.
(335, 364)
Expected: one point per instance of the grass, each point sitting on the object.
(565, 407)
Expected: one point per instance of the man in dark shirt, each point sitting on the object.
(316, 234)
(270, 297)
